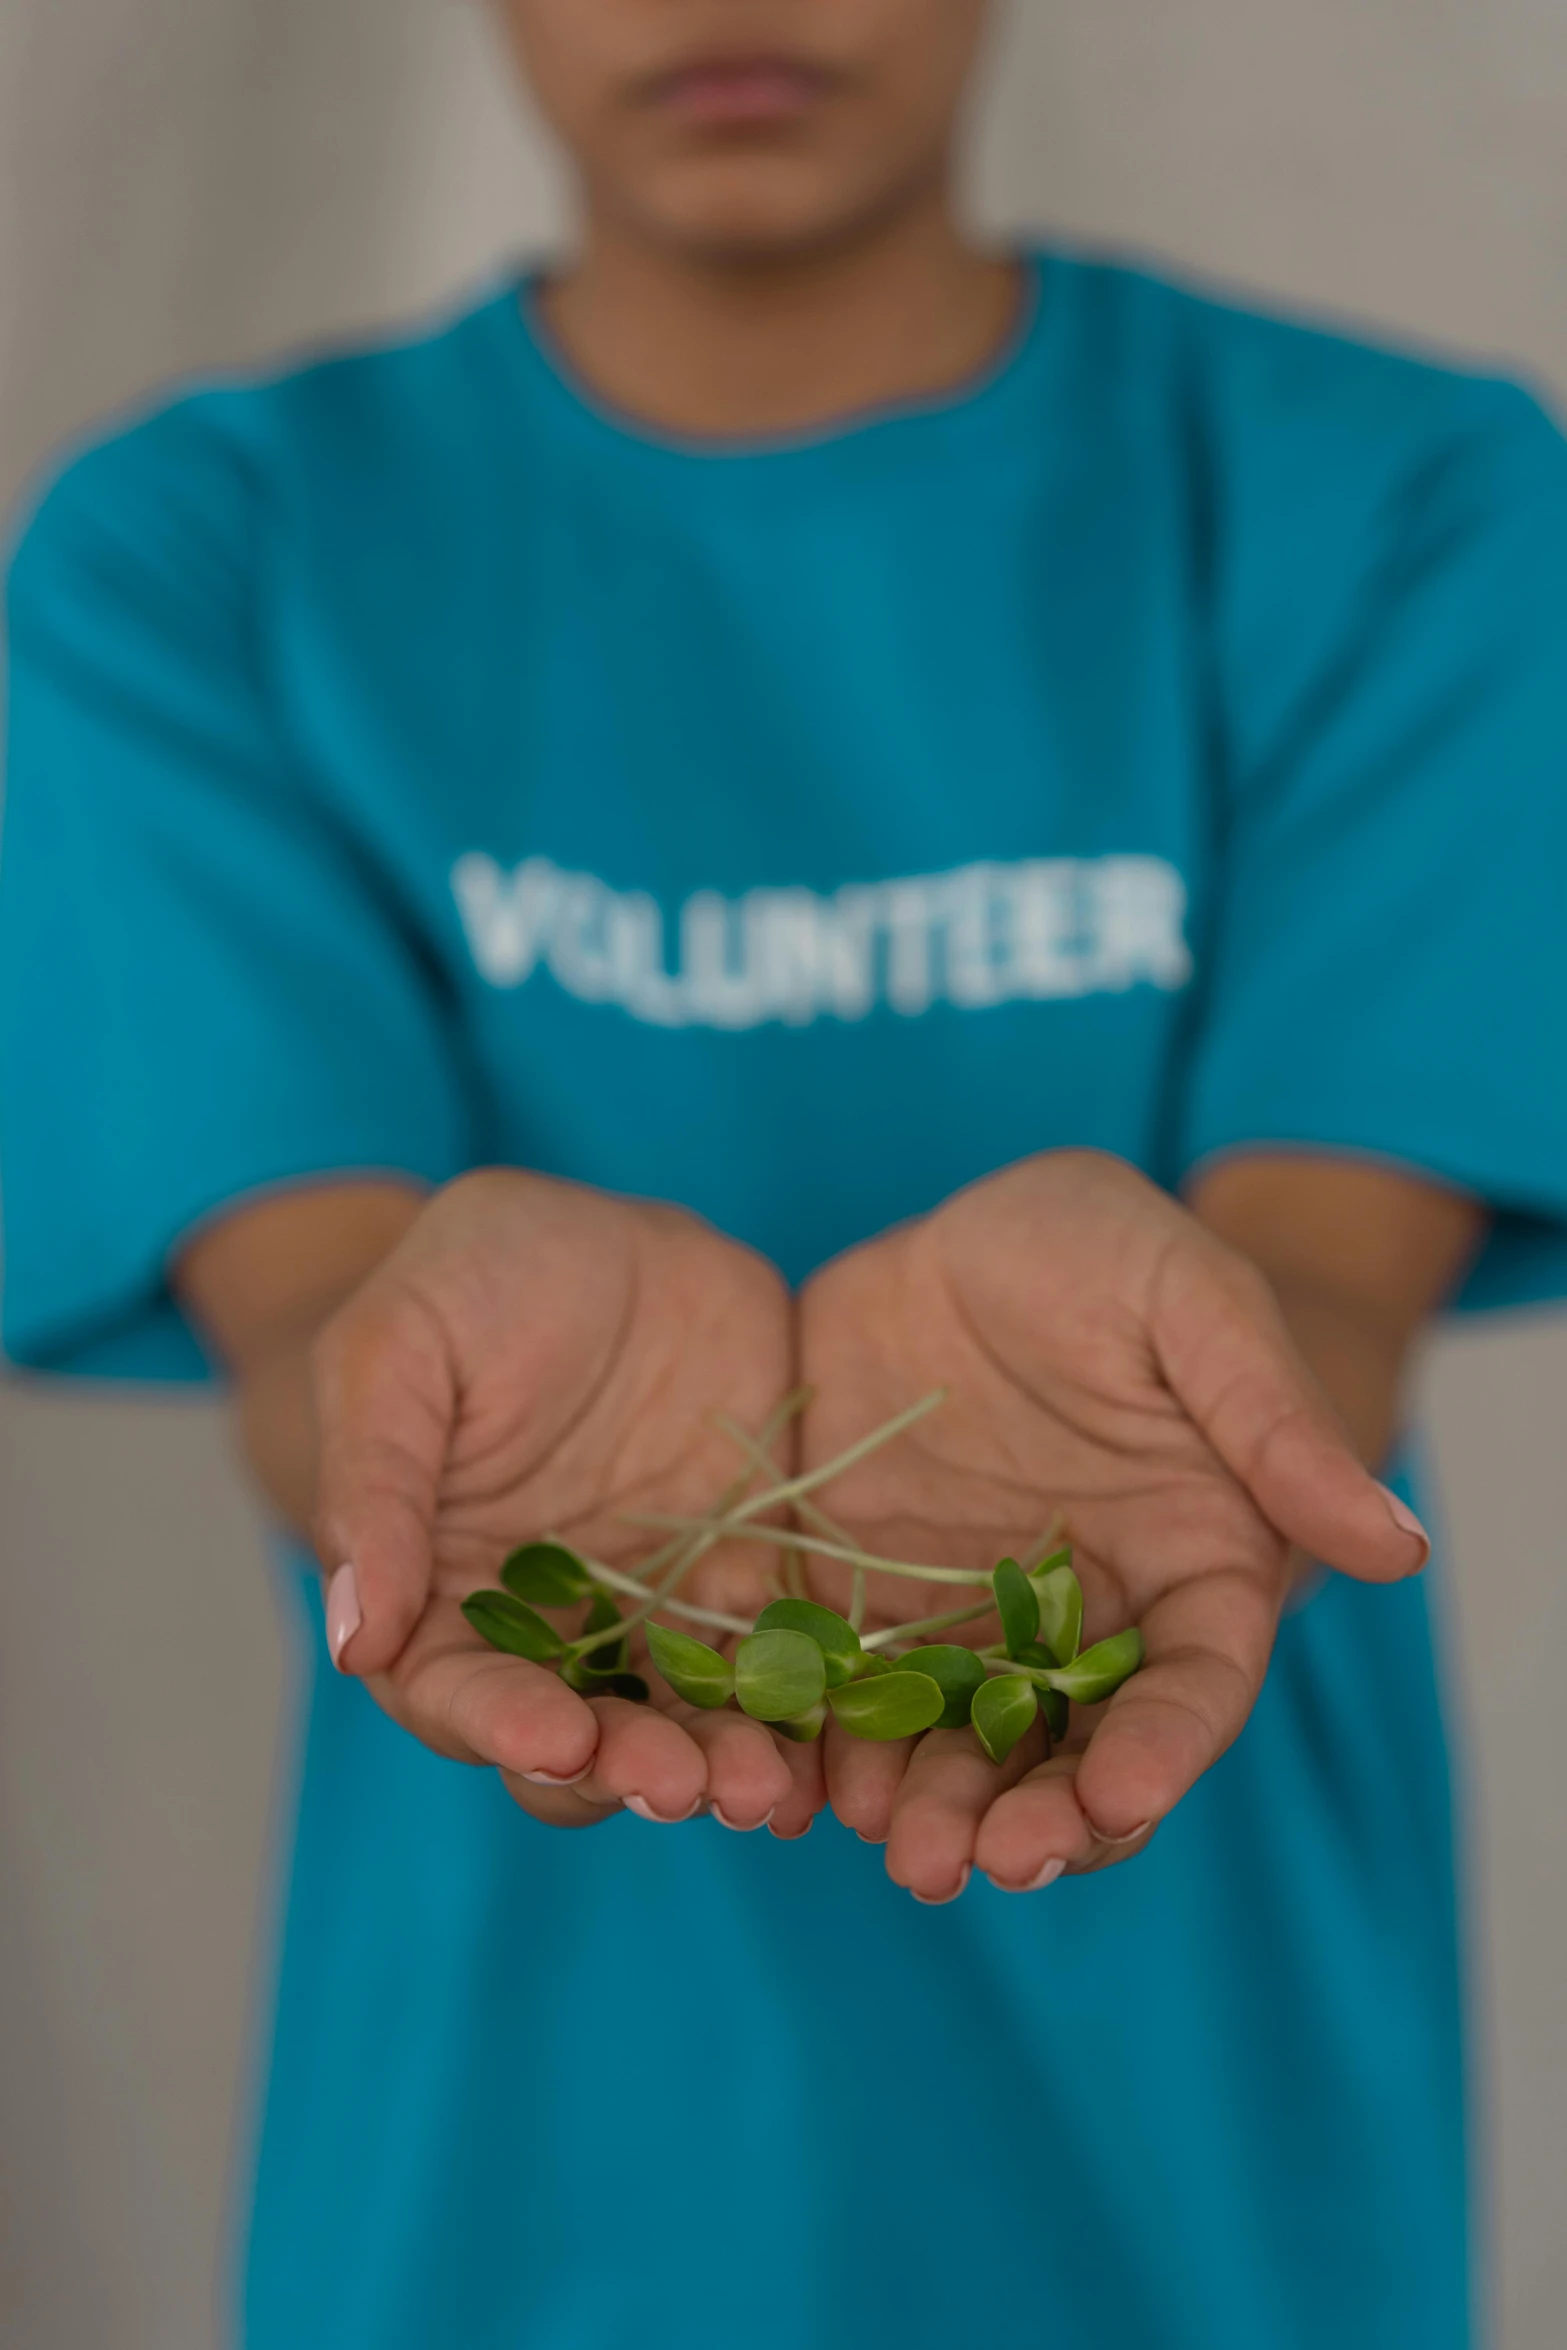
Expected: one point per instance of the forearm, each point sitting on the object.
(263, 1283)
(274, 1413)
(1359, 1362)
(1358, 1257)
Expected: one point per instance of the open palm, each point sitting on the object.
(1115, 1372)
(535, 1357)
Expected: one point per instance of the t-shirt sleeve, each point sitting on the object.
(1385, 967)
(207, 985)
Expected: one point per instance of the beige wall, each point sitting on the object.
(190, 180)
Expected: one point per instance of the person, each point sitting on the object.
(798, 800)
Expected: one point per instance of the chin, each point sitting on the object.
(751, 209)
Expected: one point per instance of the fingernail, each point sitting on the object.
(741, 1827)
(795, 1834)
(644, 1811)
(556, 1779)
(344, 1615)
(1115, 1842)
(940, 1900)
(1407, 1523)
(1047, 1876)
(864, 1839)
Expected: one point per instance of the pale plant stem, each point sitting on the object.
(612, 1580)
(731, 1520)
(807, 1510)
(761, 1458)
(793, 1487)
(735, 1529)
(892, 1632)
(696, 1539)
(996, 1660)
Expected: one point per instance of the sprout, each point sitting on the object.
(799, 1665)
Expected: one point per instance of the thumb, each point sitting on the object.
(384, 1409)
(1226, 1353)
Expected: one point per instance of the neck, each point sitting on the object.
(903, 310)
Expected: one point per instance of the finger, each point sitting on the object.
(807, 1788)
(558, 1807)
(384, 1406)
(1038, 1831)
(1228, 1357)
(645, 1760)
(947, 1790)
(863, 1776)
(464, 1699)
(747, 1777)
(1208, 1643)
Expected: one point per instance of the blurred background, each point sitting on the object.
(186, 183)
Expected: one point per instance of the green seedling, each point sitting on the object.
(803, 1728)
(546, 1574)
(510, 1624)
(779, 1675)
(798, 1664)
(1058, 1597)
(1003, 1710)
(892, 1705)
(833, 1635)
(1100, 1670)
(957, 1673)
(1016, 1605)
(693, 1670)
(1038, 1660)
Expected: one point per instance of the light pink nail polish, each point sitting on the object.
(644, 1811)
(344, 1615)
(1114, 1843)
(1047, 1876)
(941, 1900)
(554, 1779)
(1407, 1523)
(741, 1827)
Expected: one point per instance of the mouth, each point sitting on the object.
(738, 93)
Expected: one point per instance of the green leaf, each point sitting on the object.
(779, 1675)
(631, 1686)
(833, 1634)
(1051, 1703)
(957, 1673)
(1100, 1670)
(898, 1704)
(546, 1574)
(693, 1670)
(506, 1623)
(871, 1663)
(604, 1616)
(1003, 1710)
(803, 1728)
(1039, 1656)
(1060, 1599)
(1015, 1605)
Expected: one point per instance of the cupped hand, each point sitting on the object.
(1119, 1377)
(538, 1358)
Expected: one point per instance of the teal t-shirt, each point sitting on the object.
(1160, 744)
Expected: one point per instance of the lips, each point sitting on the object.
(739, 93)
